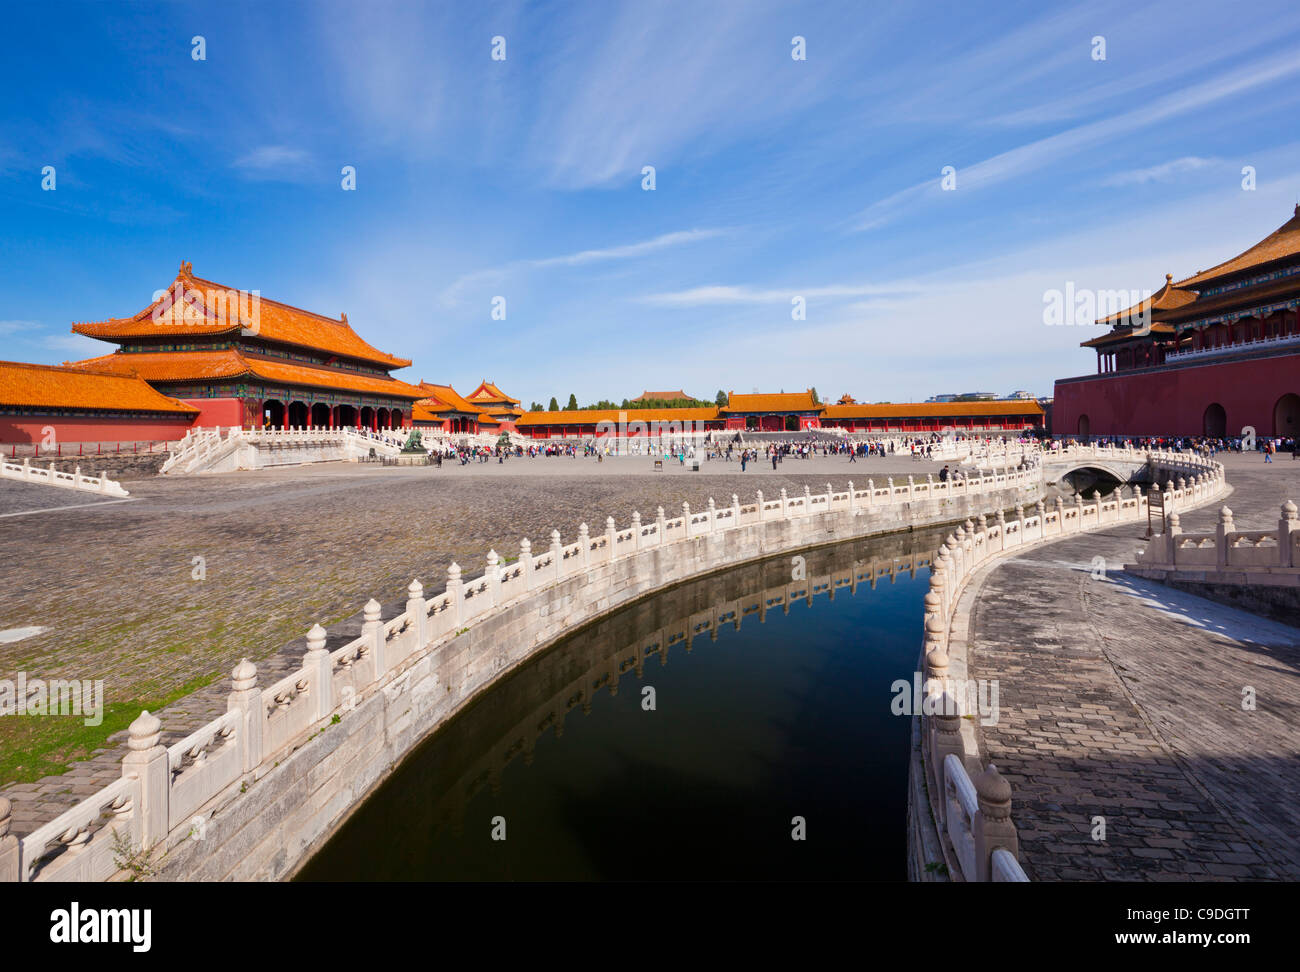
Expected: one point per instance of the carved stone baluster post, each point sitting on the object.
(660, 525)
(712, 514)
(584, 545)
(735, 511)
(556, 555)
(609, 538)
(526, 560)
(945, 740)
(686, 521)
(785, 500)
(316, 666)
(853, 498)
(455, 597)
(415, 611)
(147, 761)
(993, 828)
(1286, 532)
(1225, 527)
(759, 499)
(372, 629)
(246, 699)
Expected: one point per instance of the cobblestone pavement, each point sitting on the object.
(283, 549)
(1121, 699)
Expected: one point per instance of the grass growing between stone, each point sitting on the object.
(37, 746)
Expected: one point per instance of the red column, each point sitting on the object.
(284, 424)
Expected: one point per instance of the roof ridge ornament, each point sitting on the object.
(187, 269)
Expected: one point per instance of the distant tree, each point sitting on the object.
(535, 407)
(625, 404)
(554, 406)
(721, 399)
(816, 400)
(573, 403)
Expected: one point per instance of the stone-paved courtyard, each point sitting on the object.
(282, 549)
(1121, 703)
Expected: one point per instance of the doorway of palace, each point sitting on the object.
(1085, 426)
(298, 415)
(345, 416)
(751, 423)
(1215, 422)
(320, 415)
(1286, 415)
(367, 417)
(792, 423)
(273, 414)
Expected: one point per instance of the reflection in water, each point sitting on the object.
(753, 724)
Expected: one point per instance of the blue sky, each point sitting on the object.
(522, 178)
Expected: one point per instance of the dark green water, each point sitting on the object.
(785, 717)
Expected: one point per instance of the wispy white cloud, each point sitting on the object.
(14, 327)
(626, 251)
(728, 294)
(1086, 138)
(1159, 173)
(78, 345)
(275, 162)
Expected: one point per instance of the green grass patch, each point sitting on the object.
(35, 746)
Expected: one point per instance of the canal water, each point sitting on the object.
(771, 718)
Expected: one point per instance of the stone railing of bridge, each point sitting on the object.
(971, 803)
(25, 472)
(1265, 558)
(229, 449)
(266, 781)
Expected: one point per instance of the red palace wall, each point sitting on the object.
(1174, 401)
(26, 429)
(214, 412)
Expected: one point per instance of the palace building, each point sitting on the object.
(442, 409)
(40, 403)
(496, 404)
(782, 412)
(244, 360)
(926, 417)
(1212, 354)
(788, 412)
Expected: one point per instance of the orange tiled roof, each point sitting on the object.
(275, 322)
(592, 416)
(662, 396)
(779, 402)
(44, 386)
(171, 366)
(488, 393)
(1026, 406)
(1281, 243)
(444, 398)
(1167, 297)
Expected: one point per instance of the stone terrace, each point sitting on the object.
(283, 549)
(1121, 698)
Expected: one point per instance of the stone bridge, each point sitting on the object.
(264, 784)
